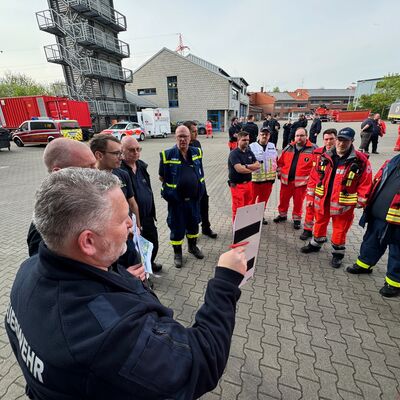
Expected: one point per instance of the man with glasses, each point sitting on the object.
(204, 201)
(182, 177)
(107, 150)
(340, 182)
(294, 167)
(140, 179)
(264, 178)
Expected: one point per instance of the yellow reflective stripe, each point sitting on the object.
(201, 179)
(394, 211)
(165, 161)
(344, 201)
(170, 185)
(351, 175)
(196, 158)
(391, 218)
(176, 242)
(192, 236)
(362, 264)
(392, 283)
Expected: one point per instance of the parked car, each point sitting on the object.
(43, 131)
(126, 128)
(35, 132)
(201, 128)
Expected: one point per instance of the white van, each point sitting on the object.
(155, 122)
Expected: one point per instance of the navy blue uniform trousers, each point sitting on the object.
(377, 238)
(183, 218)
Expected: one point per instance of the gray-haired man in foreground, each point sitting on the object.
(104, 334)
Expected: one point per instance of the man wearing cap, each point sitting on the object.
(294, 167)
(263, 179)
(383, 217)
(339, 182)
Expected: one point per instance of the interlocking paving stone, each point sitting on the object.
(303, 330)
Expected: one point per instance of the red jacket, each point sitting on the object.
(304, 163)
(351, 185)
(393, 214)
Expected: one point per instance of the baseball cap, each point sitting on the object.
(265, 128)
(346, 133)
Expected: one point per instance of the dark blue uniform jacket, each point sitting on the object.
(79, 332)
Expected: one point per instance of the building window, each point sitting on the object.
(172, 82)
(146, 92)
(235, 94)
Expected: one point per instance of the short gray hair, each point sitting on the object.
(72, 200)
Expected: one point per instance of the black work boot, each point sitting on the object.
(336, 261)
(310, 249)
(193, 249)
(279, 218)
(356, 269)
(296, 224)
(306, 234)
(178, 261)
(389, 290)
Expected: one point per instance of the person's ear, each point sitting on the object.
(87, 242)
(98, 154)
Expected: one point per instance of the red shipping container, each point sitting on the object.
(351, 116)
(15, 110)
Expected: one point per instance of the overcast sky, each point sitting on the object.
(285, 43)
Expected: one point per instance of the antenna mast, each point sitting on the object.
(181, 47)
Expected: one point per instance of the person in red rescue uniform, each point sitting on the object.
(241, 163)
(209, 129)
(294, 167)
(329, 140)
(397, 145)
(340, 182)
(264, 178)
(383, 217)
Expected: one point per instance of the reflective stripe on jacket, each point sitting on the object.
(393, 214)
(351, 185)
(171, 162)
(304, 163)
(268, 162)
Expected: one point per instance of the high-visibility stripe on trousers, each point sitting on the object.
(309, 218)
(261, 192)
(287, 192)
(241, 196)
(376, 240)
(183, 218)
(340, 225)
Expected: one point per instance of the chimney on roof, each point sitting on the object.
(262, 89)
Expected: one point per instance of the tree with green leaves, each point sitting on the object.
(387, 92)
(276, 89)
(13, 85)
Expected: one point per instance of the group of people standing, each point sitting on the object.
(332, 180)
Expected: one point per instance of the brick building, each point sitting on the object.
(301, 101)
(192, 88)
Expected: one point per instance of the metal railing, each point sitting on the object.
(87, 35)
(114, 108)
(103, 13)
(108, 70)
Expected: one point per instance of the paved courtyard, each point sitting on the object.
(303, 330)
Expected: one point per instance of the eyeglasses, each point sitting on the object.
(114, 153)
(134, 149)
